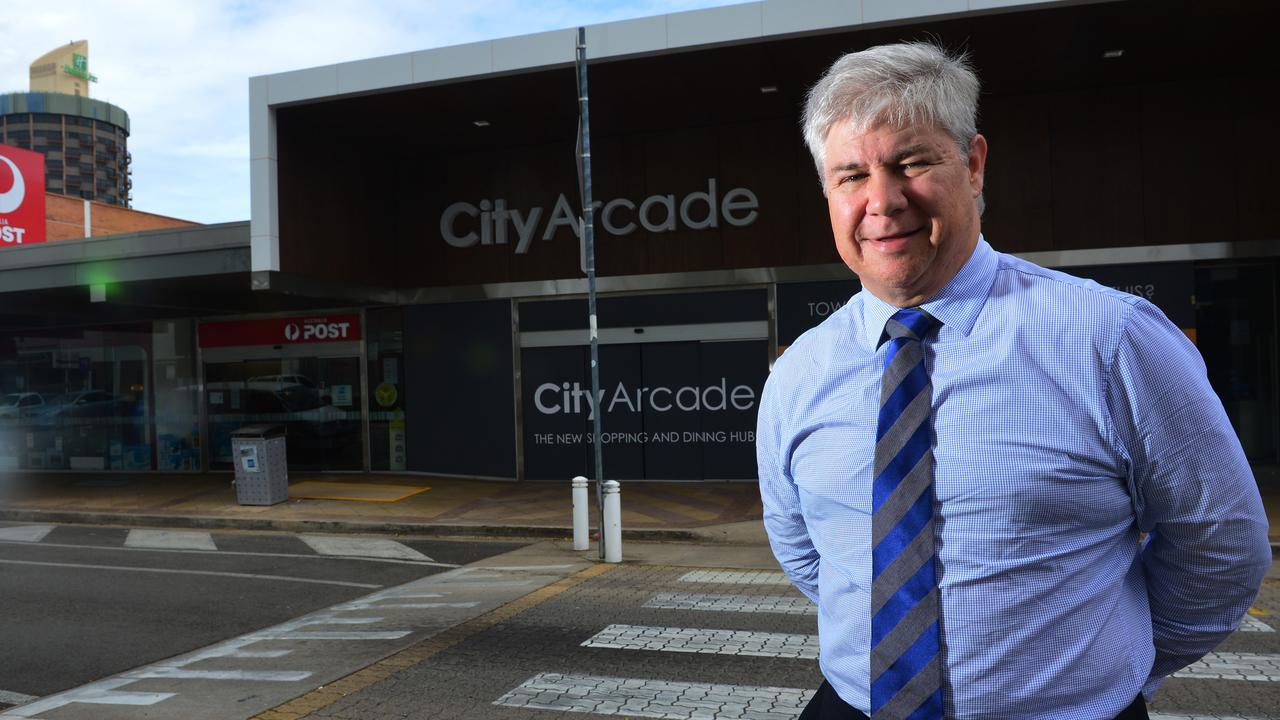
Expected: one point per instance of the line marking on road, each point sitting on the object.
(25, 533)
(99, 693)
(478, 584)
(362, 547)
(1166, 716)
(518, 568)
(335, 635)
(340, 621)
(172, 673)
(428, 606)
(1255, 667)
(733, 603)
(170, 539)
(174, 571)
(333, 692)
(654, 698)
(15, 698)
(1253, 624)
(706, 641)
(736, 577)
(119, 548)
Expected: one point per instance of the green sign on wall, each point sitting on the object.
(79, 67)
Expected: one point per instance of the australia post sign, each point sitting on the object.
(280, 331)
(21, 197)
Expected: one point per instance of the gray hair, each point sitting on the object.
(896, 85)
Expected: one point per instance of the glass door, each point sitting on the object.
(316, 399)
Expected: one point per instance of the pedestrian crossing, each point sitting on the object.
(179, 541)
(746, 611)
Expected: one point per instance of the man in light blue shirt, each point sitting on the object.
(1067, 419)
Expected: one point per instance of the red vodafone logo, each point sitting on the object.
(22, 208)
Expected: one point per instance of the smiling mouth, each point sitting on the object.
(896, 236)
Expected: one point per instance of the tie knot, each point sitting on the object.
(912, 323)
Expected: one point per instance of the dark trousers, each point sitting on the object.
(827, 705)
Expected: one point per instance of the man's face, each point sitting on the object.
(903, 207)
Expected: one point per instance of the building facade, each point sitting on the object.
(423, 309)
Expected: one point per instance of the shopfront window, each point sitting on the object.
(177, 410)
(76, 399)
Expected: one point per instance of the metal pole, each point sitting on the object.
(588, 234)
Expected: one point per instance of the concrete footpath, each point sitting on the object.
(355, 503)
(387, 504)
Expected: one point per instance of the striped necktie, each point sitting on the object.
(906, 673)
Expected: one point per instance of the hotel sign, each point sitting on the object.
(79, 67)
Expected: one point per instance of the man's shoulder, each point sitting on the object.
(805, 355)
(1041, 285)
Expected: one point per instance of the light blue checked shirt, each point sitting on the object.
(1068, 417)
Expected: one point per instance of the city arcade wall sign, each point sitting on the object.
(22, 206)
(490, 222)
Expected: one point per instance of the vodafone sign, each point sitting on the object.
(21, 197)
(280, 331)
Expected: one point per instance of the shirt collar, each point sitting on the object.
(957, 304)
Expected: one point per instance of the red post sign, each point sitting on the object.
(280, 331)
(22, 211)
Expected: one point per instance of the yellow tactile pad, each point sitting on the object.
(363, 492)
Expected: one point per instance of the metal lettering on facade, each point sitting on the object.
(465, 224)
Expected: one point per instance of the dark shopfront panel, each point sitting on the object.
(460, 411)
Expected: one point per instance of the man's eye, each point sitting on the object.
(852, 178)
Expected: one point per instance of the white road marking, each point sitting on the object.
(1166, 716)
(1253, 624)
(301, 635)
(246, 576)
(362, 547)
(299, 556)
(15, 698)
(733, 603)
(1254, 667)
(99, 693)
(25, 533)
(707, 641)
(654, 698)
(173, 673)
(170, 540)
(518, 568)
(428, 606)
(736, 577)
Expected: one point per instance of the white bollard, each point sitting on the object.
(612, 534)
(581, 511)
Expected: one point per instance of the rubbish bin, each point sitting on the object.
(262, 471)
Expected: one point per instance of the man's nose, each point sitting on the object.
(885, 194)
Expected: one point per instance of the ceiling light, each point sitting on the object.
(480, 123)
(766, 89)
(1112, 54)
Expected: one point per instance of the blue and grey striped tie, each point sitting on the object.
(906, 672)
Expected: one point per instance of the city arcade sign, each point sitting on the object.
(466, 225)
(22, 206)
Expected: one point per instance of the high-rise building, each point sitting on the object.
(84, 141)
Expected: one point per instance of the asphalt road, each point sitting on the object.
(82, 603)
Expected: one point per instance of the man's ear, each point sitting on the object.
(977, 163)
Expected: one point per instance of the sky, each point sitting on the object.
(181, 69)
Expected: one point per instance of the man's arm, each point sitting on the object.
(783, 520)
(1194, 492)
